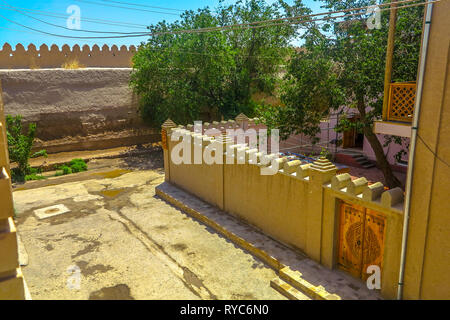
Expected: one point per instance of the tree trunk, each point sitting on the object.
(390, 179)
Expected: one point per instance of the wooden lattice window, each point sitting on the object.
(402, 97)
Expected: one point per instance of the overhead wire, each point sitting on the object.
(143, 5)
(247, 25)
(66, 28)
(251, 26)
(431, 150)
(89, 20)
(127, 8)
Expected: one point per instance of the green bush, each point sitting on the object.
(74, 166)
(35, 174)
(19, 147)
(78, 165)
(66, 170)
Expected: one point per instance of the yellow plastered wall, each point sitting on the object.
(276, 204)
(32, 58)
(209, 187)
(298, 206)
(11, 279)
(427, 268)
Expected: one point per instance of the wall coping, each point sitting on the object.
(341, 185)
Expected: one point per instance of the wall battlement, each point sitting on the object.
(54, 57)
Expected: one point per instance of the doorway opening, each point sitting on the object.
(352, 138)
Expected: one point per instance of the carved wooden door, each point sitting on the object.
(351, 238)
(373, 246)
(361, 239)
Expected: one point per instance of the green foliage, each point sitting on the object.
(204, 76)
(34, 176)
(66, 170)
(74, 166)
(401, 141)
(325, 153)
(19, 147)
(346, 69)
(78, 165)
(342, 65)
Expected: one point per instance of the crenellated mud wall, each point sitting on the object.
(53, 57)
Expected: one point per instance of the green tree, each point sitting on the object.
(19, 146)
(343, 64)
(207, 75)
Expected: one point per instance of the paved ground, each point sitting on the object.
(127, 243)
(333, 281)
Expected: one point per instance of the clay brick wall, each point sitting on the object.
(82, 109)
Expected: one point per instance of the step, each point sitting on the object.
(295, 279)
(363, 162)
(287, 290)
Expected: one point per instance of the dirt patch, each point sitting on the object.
(118, 292)
(161, 227)
(179, 246)
(49, 211)
(87, 270)
(111, 193)
(112, 174)
(66, 217)
(89, 248)
(245, 296)
(191, 278)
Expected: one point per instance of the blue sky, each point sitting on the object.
(55, 13)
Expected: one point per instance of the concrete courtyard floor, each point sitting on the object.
(127, 243)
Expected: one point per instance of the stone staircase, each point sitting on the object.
(354, 159)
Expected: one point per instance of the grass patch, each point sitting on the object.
(35, 174)
(74, 166)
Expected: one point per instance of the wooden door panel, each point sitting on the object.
(351, 238)
(348, 139)
(373, 246)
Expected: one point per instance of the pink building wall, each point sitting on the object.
(389, 151)
(327, 133)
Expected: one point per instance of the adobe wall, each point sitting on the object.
(54, 57)
(81, 109)
(299, 205)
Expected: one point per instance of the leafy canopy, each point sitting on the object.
(207, 75)
(343, 64)
(342, 69)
